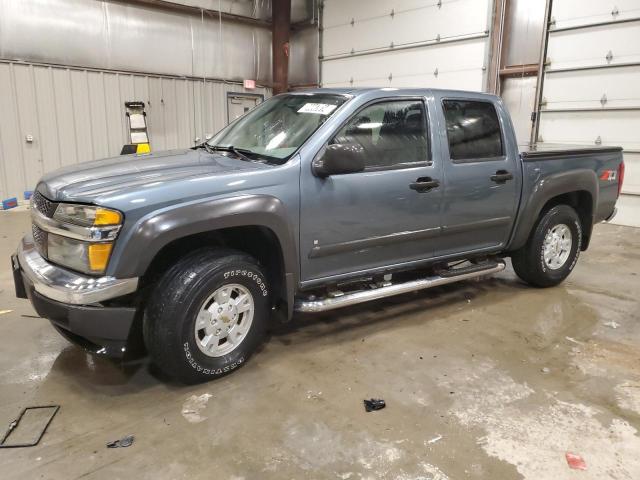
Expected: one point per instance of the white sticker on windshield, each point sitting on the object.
(319, 108)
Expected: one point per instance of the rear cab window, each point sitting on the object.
(473, 130)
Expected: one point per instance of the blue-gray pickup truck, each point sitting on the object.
(311, 201)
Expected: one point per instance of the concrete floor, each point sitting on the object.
(463, 370)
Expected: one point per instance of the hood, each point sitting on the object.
(99, 181)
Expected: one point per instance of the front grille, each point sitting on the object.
(43, 205)
(40, 240)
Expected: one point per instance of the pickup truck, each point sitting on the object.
(311, 201)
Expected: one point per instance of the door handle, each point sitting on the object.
(424, 184)
(501, 176)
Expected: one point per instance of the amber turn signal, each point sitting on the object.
(107, 217)
(99, 256)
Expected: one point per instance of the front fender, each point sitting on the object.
(135, 251)
(545, 189)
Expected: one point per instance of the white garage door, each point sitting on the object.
(405, 43)
(591, 91)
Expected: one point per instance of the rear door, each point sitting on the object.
(481, 181)
(386, 215)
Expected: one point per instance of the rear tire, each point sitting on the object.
(207, 315)
(552, 249)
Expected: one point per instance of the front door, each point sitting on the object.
(387, 214)
(481, 183)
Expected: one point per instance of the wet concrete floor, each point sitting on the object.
(485, 379)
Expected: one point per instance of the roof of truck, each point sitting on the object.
(390, 91)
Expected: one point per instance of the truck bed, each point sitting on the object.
(554, 151)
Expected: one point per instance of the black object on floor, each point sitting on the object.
(123, 442)
(374, 404)
(45, 421)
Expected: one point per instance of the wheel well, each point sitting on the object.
(582, 202)
(257, 241)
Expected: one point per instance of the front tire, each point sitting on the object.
(207, 315)
(552, 249)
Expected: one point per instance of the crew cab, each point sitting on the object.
(311, 201)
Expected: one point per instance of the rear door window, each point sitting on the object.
(473, 130)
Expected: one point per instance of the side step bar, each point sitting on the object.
(330, 303)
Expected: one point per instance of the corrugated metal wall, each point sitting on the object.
(405, 43)
(68, 66)
(75, 115)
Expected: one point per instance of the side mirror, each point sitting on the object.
(339, 158)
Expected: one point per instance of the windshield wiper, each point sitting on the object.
(245, 153)
(240, 152)
(205, 146)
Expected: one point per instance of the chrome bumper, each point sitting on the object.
(64, 285)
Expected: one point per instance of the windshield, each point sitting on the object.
(276, 128)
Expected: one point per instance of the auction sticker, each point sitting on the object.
(319, 108)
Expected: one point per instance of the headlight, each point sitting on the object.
(78, 238)
(77, 255)
(87, 215)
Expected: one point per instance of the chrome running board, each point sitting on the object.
(330, 303)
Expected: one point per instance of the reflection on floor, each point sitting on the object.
(484, 379)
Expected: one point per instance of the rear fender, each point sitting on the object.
(546, 189)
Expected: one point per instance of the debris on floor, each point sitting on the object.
(374, 404)
(28, 429)
(123, 442)
(193, 406)
(434, 440)
(546, 370)
(608, 324)
(314, 396)
(575, 461)
(2, 312)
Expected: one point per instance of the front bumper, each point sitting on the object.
(71, 301)
(65, 286)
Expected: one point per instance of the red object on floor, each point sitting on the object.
(575, 461)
